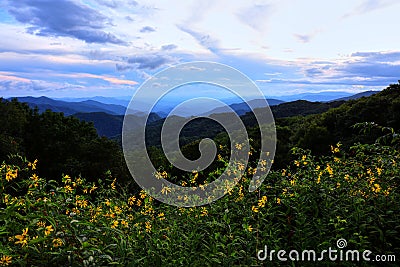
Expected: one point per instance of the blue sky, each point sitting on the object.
(83, 48)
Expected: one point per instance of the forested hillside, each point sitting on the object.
(69, 145)
(62, 144)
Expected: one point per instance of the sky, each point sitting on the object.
(84, 48)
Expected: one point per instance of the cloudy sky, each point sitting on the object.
(77, 48)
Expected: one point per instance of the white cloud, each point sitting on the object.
(257, 37)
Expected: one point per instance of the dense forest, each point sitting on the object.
(63, 144)
(66, 144)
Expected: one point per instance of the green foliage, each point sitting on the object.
(308, 205)
(62, 144)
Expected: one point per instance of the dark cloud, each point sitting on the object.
(372, 64)
(123, 67)
(314, 72)
(142, 62)
(368, 70)
(147, 29)
(149, 62)
(116, 3)
(129, 18)
(378, 56)
(362, 68)
(168, 47)
(63, 18)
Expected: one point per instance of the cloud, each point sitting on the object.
(147, 29)
(360, 68)
(12, 86)
(141, 62)
(168, 47)
(370, 5)
(304, 38)
(63, 18)
(111, 80)
(149, 62)
(378, 56)
(256, 16)
(8, 76)
(116, 3)
(203, 39)
(314, 72)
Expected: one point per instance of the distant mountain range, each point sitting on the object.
(107, 114)
(357, 96)
(69, 108)
(243, 108)
(325, 96)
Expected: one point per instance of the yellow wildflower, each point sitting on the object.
(113, 187)
(262, 201)
(94, 187)
(35, 178)
(161, 216)
(329, 169)
(41, 224)
(48, 230)
(254, 209)
(124, 223)
(117, 210)
(377, 188)
(165, 190)
(22, 239)
(57, 242)
(83, 203)
(5, 260)
(148, 226)
(240, 166)
(204, 211)
(68, 189)
(11, 174)
(114, 224)
(33, 164)
(131, 200)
